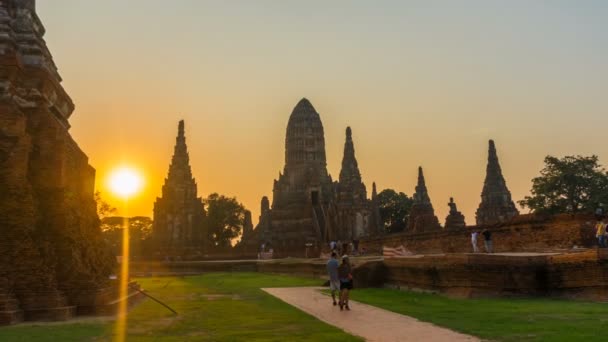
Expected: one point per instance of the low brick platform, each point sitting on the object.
(579, 274)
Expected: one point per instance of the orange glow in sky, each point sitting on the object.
(421, 83)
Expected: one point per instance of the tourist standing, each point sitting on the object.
(474, 235)
(600, 234)
(334, 280)
(346, 282)
(487, 240)
(599, 212)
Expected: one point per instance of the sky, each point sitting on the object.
(421, 83)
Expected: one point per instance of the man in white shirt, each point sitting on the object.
(474, 241)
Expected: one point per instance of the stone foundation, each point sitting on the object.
(582, 275)
(576, 275)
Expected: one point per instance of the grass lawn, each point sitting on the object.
(212, 307)
(498, 319)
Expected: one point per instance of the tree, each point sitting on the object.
(225, 219)
(571, 184)
(104, 209)
(140, 228)
(394, 209)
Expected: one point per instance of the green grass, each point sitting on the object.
(498, 319)
(212, 307)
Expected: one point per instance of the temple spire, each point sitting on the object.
(422, 215)
(350, 169)
(180, 162)
(180, 128)
(374, 191)
(421, 195)
(496, 204)
(179, 212)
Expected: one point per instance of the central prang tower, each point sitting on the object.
(305, 178)
(303, 192)
(308, 208)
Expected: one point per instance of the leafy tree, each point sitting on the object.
(394, 209)
(104, 209)
(225, 219)
(140, 228)
(571, 184)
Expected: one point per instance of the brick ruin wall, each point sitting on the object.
(579, 275)
(525, 233)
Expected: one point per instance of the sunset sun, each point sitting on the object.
(125, 182)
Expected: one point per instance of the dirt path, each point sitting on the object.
(369, 322)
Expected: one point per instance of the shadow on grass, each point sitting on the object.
(211, 307)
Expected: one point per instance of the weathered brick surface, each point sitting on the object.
(51, 249)
(524, 233)
(581, 275)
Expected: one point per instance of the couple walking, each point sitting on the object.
(340, 280)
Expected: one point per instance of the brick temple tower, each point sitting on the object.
(303, 192)
(308, 207)
(353, 209)
(496, 204)
(179, 212)
(422, 215)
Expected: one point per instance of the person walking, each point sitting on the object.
(474, 235)
(600, 233)
(334, 280)
(346, 282)
(487, 240)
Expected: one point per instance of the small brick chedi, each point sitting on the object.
(422, 215)
(496, 204)
(179, 212)
(53, 260)
(308, 207)
(455, 219)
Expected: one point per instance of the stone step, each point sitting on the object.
(50, 314)
(9, 304)
(11, 317)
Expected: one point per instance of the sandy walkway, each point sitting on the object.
(369, 322)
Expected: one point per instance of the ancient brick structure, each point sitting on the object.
(455, 219)
(179, 212)
(376, 218)
(53, 260)
(307, 206)
(422, 215)
(353, 211)
(525, 233)
(496, 204)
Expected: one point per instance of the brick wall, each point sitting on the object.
(524, 233)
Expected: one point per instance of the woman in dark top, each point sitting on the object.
(346, 282)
